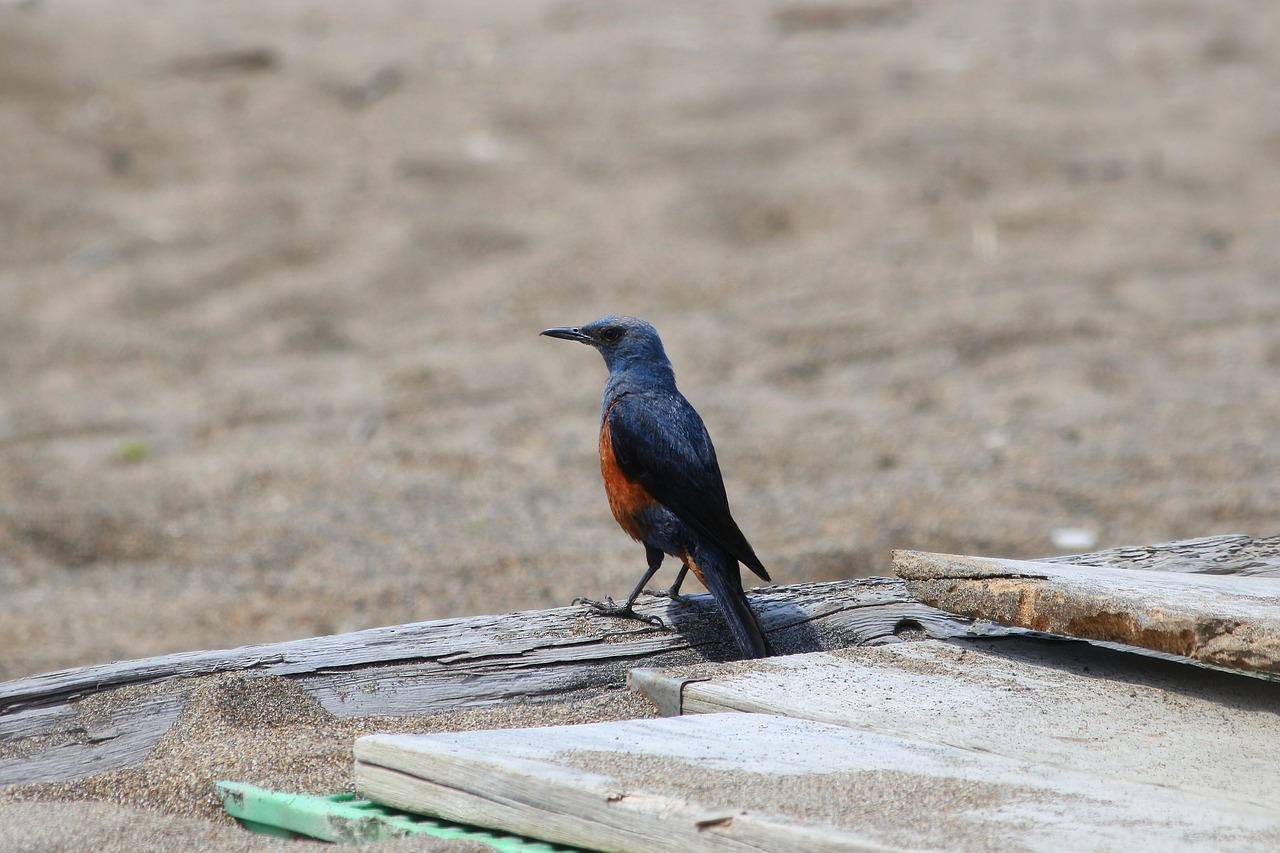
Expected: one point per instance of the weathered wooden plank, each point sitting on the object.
(1066, 704)
(467, 662)
(666, 823)
(759, 782)
(798, 617)
(801, 617)
(51, 718)
(842, 613)
(1230, 554)
(1222, 621)
(77, 747)
(445, 665)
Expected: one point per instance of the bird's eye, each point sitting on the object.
(612, 335)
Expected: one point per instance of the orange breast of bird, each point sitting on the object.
(627, 498)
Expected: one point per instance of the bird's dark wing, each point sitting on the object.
(659, 441)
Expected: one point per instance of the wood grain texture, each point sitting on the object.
(1218, 620)
(1229, 554)
(802, 617)
(754, 782)
(73, 747)
(469, 662)
(444, 665)
(1066, 704)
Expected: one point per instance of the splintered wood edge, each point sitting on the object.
(1228, 623)
(451, 664)
(922, 565)
(519, 800)
(534, 637)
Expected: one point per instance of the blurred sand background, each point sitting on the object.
(938, 275)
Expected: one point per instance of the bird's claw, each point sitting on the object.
(665, 593)
(619, 611)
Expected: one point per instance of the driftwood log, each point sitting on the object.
(74, 723)
(60, 725)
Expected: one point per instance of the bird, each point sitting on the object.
(662, 478)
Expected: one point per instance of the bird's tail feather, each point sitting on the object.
(721, 574)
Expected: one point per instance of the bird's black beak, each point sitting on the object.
(569, 333)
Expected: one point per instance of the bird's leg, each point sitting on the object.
(627, 610)
(673, 591)
(655, 556)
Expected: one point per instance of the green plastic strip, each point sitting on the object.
(343, 818)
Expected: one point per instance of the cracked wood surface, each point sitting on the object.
(1227, 554)
(1196, 611)
(46, 734)
(437, 666)
(1069, 704)
(758, 782)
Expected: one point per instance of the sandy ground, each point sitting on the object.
(264, 731)
(948, 277)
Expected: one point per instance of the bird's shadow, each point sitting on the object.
(697, 619)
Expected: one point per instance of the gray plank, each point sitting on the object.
(1225, 621)
(49, 719)
(78, 748)
(1227, 554)
(802, 617)
(1064, 704)
(760, 782)
(442, 666)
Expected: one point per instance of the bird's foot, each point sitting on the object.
(673, 594)
(619, 611)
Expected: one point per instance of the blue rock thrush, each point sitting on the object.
(662, 478)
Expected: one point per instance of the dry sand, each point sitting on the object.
(940, 277)
(266, 731)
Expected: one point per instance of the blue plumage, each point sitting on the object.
(661, 474)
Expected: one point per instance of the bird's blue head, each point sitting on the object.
(627, 343)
